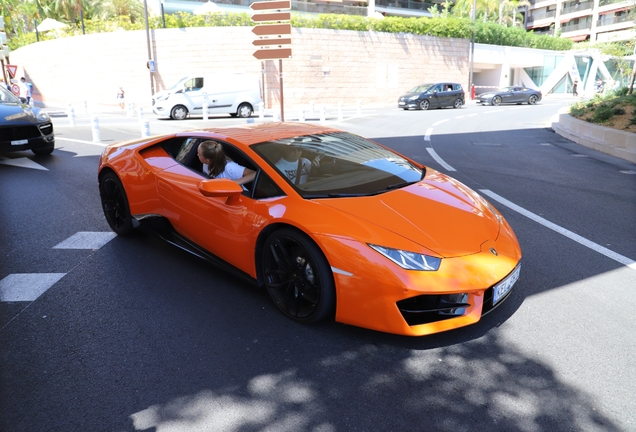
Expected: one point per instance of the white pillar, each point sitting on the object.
(95, 129)
(70, 112)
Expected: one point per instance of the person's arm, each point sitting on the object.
(248, 176)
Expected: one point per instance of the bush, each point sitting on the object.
(602, 113)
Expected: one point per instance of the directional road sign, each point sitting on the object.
(278, 42)
(273, 54)
(270, 5)
(272, 30)
(272, 16)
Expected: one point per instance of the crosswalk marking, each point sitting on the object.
(26, 286)
(86, 240)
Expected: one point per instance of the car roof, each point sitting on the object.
(256, 133)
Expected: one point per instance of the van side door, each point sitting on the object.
(194, 94)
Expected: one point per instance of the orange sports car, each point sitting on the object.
(330, 223)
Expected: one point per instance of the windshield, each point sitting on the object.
(7, 97)
(421, 88)
(337, 165)
(179, 83)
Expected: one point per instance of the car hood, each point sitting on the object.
(488, 94)
(439, 213)
(17, 114)
(408, 95)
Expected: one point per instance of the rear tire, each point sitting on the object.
(179, 112)
(115, 204)
(458, 103)
(244, 110)
(532, 100)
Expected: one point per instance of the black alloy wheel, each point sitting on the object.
(496, 100)
(115, 204)
(297, 276)
(424, 104)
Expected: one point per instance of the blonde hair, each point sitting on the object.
(213, 151)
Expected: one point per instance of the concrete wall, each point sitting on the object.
(328, 66)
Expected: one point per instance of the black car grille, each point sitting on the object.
(21, 132)
(426, 309)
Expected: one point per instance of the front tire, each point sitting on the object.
(244, 110)
(496, 101)
(532, 100)
(424, 104)
(179, 112)
(297, 276)
(115, 204)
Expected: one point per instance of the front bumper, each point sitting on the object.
(26, 137)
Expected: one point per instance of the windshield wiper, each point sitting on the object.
(399, 185)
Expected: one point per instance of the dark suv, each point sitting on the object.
(434, 95)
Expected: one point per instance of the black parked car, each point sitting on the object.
(23, 127)
(436, 95)
(515, 94)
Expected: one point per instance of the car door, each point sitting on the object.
(437, 96)
(194, 94)
(225, 227)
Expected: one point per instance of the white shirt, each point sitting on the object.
(25, 91)
(290, 168)
(232, 171)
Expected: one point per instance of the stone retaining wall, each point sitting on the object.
(328, 66)
(615, 142)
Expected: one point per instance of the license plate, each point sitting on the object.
(19, 142)
(505, 286)
(400, 103)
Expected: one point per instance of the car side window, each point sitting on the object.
(265, 187)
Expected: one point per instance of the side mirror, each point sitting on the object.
(220, 188)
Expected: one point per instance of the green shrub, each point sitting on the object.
(632, 120)
(618, 110)
(602, 113)
(577, 110)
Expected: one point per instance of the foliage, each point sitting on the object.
(112, 15)
(602, 108)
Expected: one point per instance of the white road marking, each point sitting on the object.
(471, 115)
(493, 111)
(437, 123)
(427, 134)
(569, 234)
(627, 172)
(86, 240)
(22, 162)
(26, 286)
(439, 160)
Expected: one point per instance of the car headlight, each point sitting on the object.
(163, 97)
(413, 97)
(409, 260)
(42, 116)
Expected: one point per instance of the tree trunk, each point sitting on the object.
(631, 80)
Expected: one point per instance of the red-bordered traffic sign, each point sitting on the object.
(15, 89)
(12, 69)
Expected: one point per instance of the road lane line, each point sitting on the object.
(437, 123)
(58, 138)
(494, 111)
(427, 134)
(569, 234)
(439, 160)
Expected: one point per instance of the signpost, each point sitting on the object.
(274, 40)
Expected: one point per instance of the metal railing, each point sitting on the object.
(614, 20)
(578, 7)
(574, 27)
(405, 4)
(536, 16)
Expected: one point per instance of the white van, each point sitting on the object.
(234, 94)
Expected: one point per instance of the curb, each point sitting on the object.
(614, 142)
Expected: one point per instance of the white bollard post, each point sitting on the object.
(205, 110)
(85, 108)
(359, 108)
(140, 112)
(145, 129)
(311, 109)
(71, 115)
(95, 129)
(340, 116)
(261, 115)
(322, 114)
(301, 115)
(131, 109)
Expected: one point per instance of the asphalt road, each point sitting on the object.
(131, 334)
